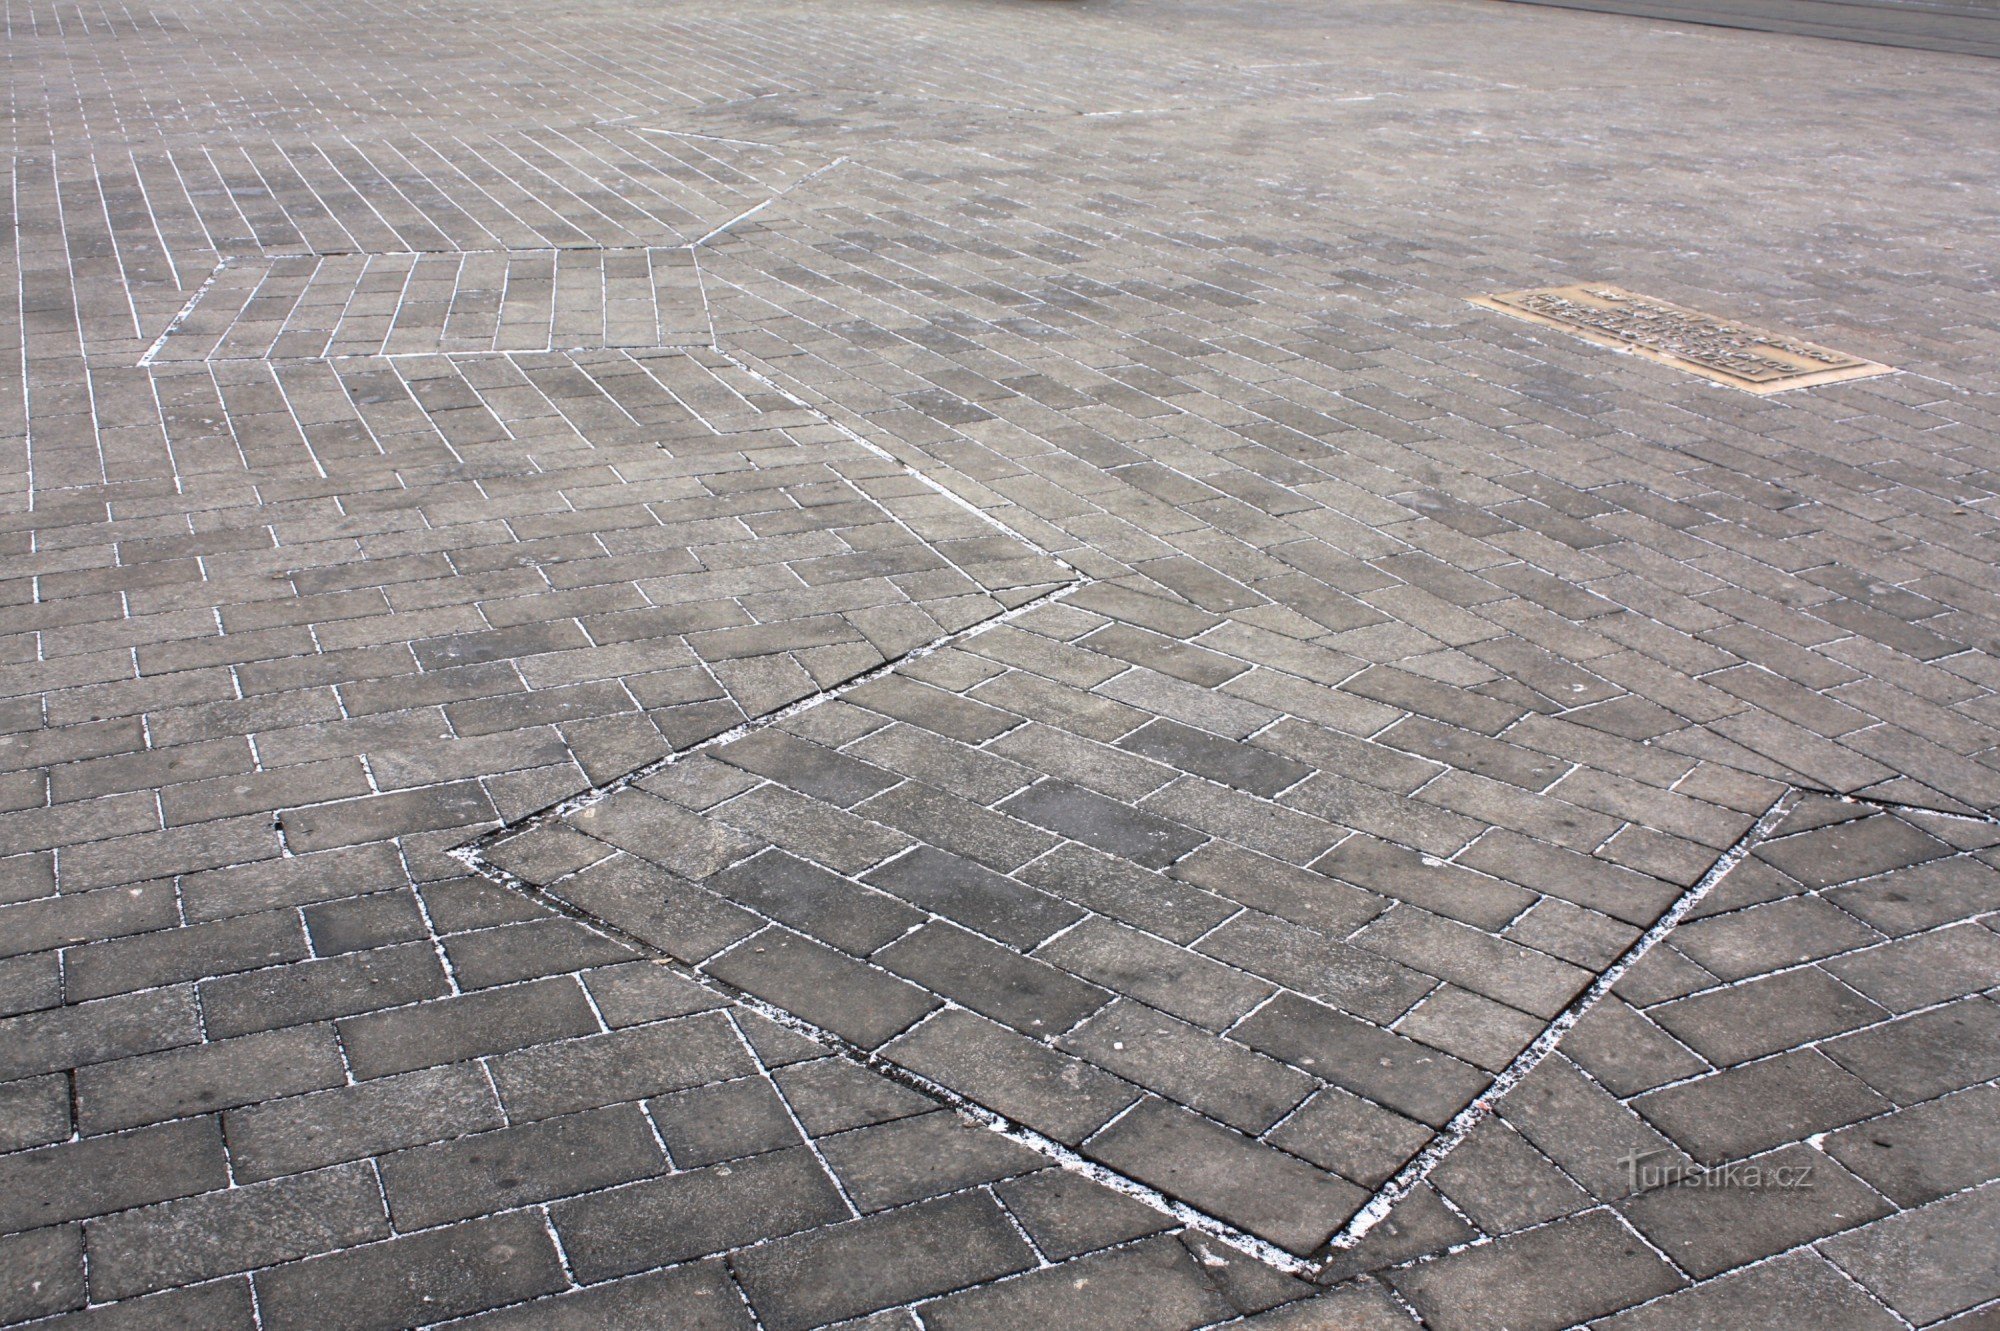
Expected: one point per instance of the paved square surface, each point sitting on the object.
(917, 665)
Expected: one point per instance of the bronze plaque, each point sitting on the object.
(1730, 353)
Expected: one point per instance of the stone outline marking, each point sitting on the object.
(1753, 359)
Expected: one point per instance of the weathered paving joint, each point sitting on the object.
(938, 666)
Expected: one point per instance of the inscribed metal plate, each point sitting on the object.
(1728, 352)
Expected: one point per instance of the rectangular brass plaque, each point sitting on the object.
(1720, 349)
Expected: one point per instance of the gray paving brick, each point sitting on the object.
(910, 1159)
(628, 1064)
(97, 1175)
(442, 1272)
(1924, 1263)
(131, 1092)
(831, 1274)
(1155, 1284)
(1029, 1082)
(1919, 1154)
(43, 1272)
(698, 1297)
(1406, 1076)
(300, 1133)
(464, 1026)
(220, 1233)
(1611, 1269)
(1777, 1294)
(692, 1214)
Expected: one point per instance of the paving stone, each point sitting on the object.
(1751, 1108)
(816, 902)
(446, 1030)
(1927, 1263)
(1722, 1218)
(1847, 851)
(183, 1242)
(208, 1077)
(1777, 1294)
(300, 1133)
(827, 1275)
(1406, 1076)
(1503, 1184)
(974, 896)
(1917, 1057)
(833, 991)
(1186, 1064)
(697, 1297)
(1589, 1134)
(1031, 996)
(1052, 1093)
(442, 1272)
(1067, 1214)
(43, 1271)
(556, 1157)
(627, 1064)
(1612, 1269)
(695, 1213)
(722, 1122)
(1103, 824)
(1765, 1015)
(1919, 1154)
(1155, 1284)
(98, 1175)
(1266, 1192)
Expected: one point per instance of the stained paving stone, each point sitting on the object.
(422, 467)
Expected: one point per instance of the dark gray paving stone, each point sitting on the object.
(97, 1032)
(710, 1124)
(305, 1132)
(831, 1274)
(1426, 881)
(447, 1030)
(815, 902)
(1127, 893)
(1851, 850)
(1184, 1063)
(1725, 1217)
(34, 1112)
(41, 1273)
(1272, 1195)
(1126, 961)
(1312, 900)
(1370, 985)
(224, 1305)
(1763, 1016)
(1104, 824)
(170, 956)
(1916, 972)
(1756, 1106)
(1917, 1057)
(415, 1278)
(1520, 977)
(807, 768)
(1030, 995)
(1504, 1184)
(827, 988)
(1917, 1155)
(1928, 1263)
(1625, 1052)
(509, 953)
(1067, 1214)
(219, 1233)
(1406, 1076)
(833, 1095)
(1504, 1283)
(1579, 1125)
(641, 992)
(694, 1214)
(699, 1297)
(1770, 936)
(1908, 900)
(458, 1180)
(1355, 1138)
(1151, 1286)
(97, 1175)
(358, 923)
(1422, 1224)
(1796, 1289)
(910, 1159)
(321, 989)
(1064, 1097)
(974, 896)
(206, 1077)
(628, 1064)
(1225, 762)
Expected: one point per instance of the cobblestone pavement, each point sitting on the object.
(912, 664)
